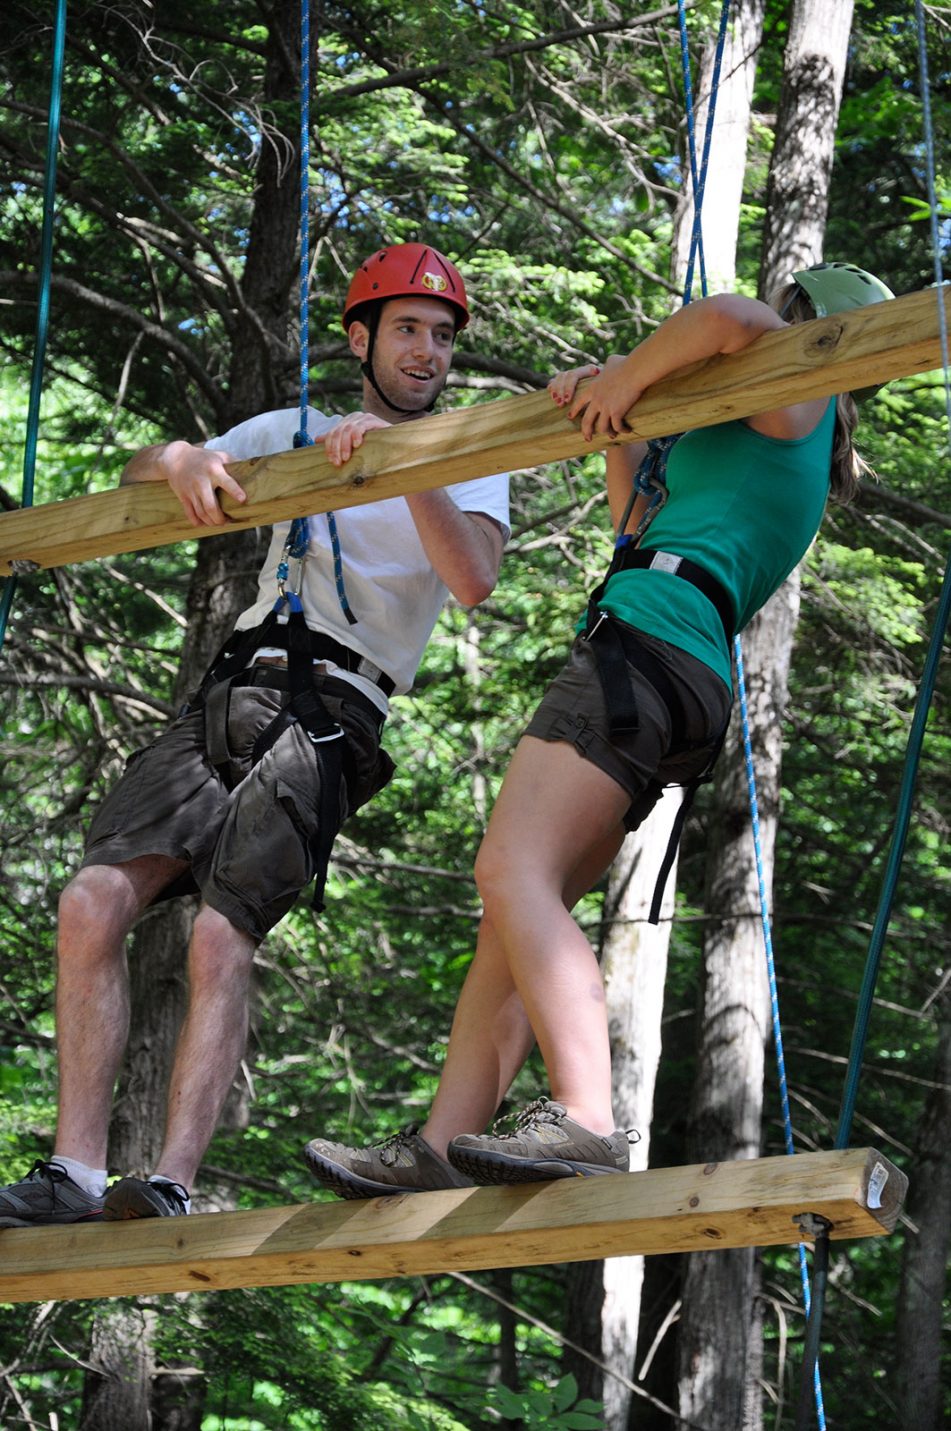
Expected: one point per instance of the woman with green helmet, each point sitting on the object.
(642, 703)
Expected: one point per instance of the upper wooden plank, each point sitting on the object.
(740, 1204)
(847, 351)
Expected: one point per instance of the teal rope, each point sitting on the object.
(43, 304)
(886, 900)
(912, 758)
(929, 675)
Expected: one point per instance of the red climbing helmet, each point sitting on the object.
(407, 270)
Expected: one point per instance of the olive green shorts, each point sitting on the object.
(641, 761)
(246, 831)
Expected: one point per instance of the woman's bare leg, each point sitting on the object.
(492, 1034)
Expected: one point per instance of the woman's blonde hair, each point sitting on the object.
(848, 467)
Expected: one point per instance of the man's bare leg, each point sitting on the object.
(97, 909)
(211, 1043)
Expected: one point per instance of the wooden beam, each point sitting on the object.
(741, 1204)
(850, 350)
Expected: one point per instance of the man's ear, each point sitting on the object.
(358, 336)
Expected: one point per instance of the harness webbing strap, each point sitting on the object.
(680, 819)
(217, 705)
(304, 707)
(628, 557)
(238, 651)
(617, 646)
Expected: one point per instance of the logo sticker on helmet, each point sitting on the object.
(434, 282)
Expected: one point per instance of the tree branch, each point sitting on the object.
(410, 78)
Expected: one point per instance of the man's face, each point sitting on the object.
(412, 353)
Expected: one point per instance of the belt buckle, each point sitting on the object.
(336, 734)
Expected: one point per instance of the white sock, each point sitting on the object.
(91, 1180)
(160, 1178)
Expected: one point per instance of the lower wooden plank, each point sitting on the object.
(741, 1204)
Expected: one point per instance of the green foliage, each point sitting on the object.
(560, 1409)
(553, 174)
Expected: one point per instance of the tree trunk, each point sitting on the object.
(604, 1300)
(726, 1111)
(223, 583)
(116, 1397)
(717, 1364)
(726, 167)
(797, 194)
(925, 1260)
(635, 971)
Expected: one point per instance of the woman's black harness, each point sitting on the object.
(616, 646)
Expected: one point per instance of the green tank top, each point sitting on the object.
(743, 506)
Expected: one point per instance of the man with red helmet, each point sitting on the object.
(241, 798)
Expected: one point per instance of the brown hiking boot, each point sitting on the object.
(405, 1163)
(544, 1144)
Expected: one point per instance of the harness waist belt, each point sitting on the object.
(650, 559)
(325, 648)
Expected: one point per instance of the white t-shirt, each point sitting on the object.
(390, 584)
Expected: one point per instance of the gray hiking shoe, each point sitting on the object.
(134, 1197)
(405, 1163)
(47, 1195)
(543, 1144)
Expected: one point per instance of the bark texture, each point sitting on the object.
(797, 194)
(726, 165)
(119, 1396)
(925, 1259)
(605, 1296)
(718, 1364)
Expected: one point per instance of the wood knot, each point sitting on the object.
(827, 340)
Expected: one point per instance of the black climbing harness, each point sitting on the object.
(616, 646)
(231, 669)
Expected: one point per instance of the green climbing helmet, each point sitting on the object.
(834, 287)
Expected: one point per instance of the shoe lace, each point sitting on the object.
(52, 1173)
(541, 1110)
(173, 1192)
(392, 1146)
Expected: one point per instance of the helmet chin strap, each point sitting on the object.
(366, 368)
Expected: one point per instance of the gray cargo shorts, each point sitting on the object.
(573, 709)
(246, 832)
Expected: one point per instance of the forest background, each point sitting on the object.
(543, 147)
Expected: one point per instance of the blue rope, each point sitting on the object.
(304, 318)
(650, 476)
(298, 538)
(698, 181)
(773, 986)
(655, 465)
(43, 302)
